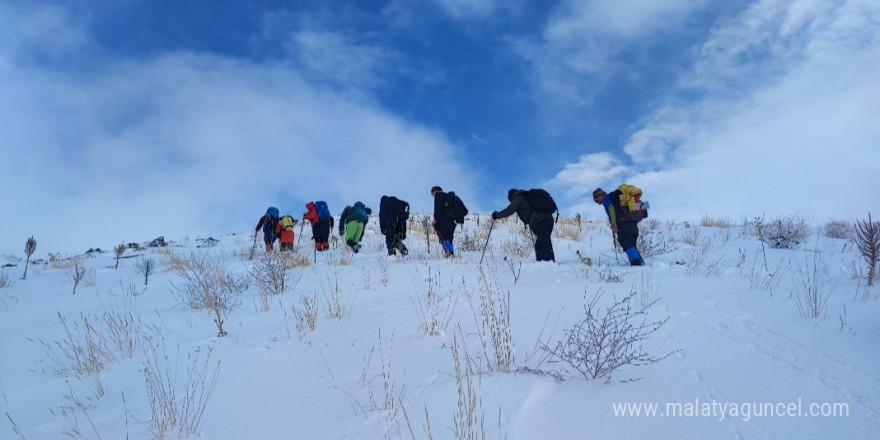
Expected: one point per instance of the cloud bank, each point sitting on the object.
(187, 143)
(776, 116)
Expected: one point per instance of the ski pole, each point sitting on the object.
(614, 241)
(302, 223)
(491, 225)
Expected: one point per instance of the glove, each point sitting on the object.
(494, 215)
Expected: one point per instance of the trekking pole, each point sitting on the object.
(254, 247)
(301, 225)
(491, 225)
(614, 242)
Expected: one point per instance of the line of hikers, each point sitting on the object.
(534, 207)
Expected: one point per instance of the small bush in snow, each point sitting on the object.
(306, 316)
(495, 328)
(653, 242)
(607, 340)
(5, 279)
(146, 266)
(809, 289)
(868, 242)
(434, 305)
(177, 402)
(205, 285)
(714, 222)
(29, 248)
(839, 229)
(781, 233)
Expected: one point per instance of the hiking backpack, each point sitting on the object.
(271, 221)
(400, 209)
(287, 223)
(454, 207)
(323, 211)
(540, 201)
(631, 201)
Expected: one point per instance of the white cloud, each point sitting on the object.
(334, 56)
(581, 48)
(787, 124)
(187, 144)
(580, 178)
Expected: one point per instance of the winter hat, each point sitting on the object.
(436, 188)
(510, 193)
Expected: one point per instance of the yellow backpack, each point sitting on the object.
(630, 197)
(287, 223)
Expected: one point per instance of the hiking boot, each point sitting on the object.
(637, 262)
(356, 248)
(403, 250)
(391, 251)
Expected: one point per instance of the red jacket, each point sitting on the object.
(284, 236)
(312, 214)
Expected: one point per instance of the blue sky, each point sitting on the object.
(129, 119)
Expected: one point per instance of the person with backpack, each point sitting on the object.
(535, 208)
(269, 223)
(393, 214)
(448, 210)
(625, 210)
(351, 224)
(284, 229)
(322, 223)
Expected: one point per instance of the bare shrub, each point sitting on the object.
(607, 340)
(306, 316)
(295, 259)
(468, 418)
(608, 276)
(782, 232)
(79, 274)
(762, 278)
(569, 228)
(868, 242)
(30, 247)
(495, 334)
(809, 288)
(146, 266)
(839, 229)
(335, 303)
(205, 285)
(177, 403)
(653, 241)
(385, 396)
(469, 240)
(698, 262)
(5, 279)
(273, 273)
(57, 261)
(691, 237)
(120, 326)
(84, 351)
(434, 306)
(714, 222)
(520, 243)
(118, 251)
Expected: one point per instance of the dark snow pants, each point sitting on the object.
(543, 245)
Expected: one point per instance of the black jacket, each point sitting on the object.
(520, 206)
(393, 214)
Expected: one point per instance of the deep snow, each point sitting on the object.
(735, 336)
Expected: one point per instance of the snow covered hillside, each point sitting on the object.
(741, 339)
